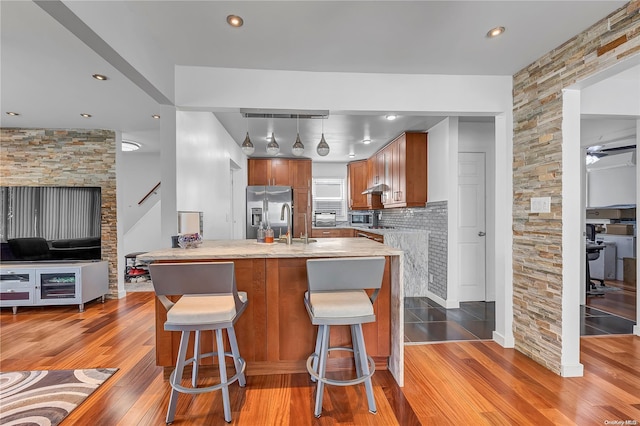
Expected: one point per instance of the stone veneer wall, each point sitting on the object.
(433, 218)
(537, 171)
(72, 157)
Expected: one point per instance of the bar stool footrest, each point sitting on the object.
(350, 382)
(197, 390)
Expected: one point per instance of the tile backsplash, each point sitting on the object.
(432, 218)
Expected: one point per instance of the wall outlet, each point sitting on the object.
(430, 278)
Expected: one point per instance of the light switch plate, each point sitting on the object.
(541, 205)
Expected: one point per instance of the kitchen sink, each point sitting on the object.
(296, 240)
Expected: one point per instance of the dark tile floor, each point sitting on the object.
(426, 321)
(594, 322)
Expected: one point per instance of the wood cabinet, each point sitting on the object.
(406, 171)
(274, 332)
(300, 180)
(269, 171)
(292, 172)
(360, 175)
(333, 233)
(357, 178)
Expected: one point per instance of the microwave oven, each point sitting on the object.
(361, 218)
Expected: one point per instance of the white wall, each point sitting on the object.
(203, 168)
(611, 181)
(144, 235)
(140, 172)
(329, 170)
(227, 89)
(437, 162)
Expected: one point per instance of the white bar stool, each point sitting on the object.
(336, 296)
(210, 301)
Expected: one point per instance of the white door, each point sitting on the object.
(471, 226)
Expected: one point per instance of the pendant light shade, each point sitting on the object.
(323, 146)
(298, 147)
(272, 147)
(247, 145)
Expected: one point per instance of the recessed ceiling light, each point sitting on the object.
(235, 21)
(366, 141)
(156, 116)
(85, 115)
(130, 145)
(100, 77)
(495, 32)
(391, 117)
(12, 113)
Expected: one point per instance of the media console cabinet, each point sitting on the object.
(64, 283)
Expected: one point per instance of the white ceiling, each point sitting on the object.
(46, 63)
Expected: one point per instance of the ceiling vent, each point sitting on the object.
(283, 113)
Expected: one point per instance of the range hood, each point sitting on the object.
(376, 189)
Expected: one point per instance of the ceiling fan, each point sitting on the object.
(600, 151)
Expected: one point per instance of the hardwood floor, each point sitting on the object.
(446, 383)
(621, 303)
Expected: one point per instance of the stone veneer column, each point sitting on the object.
(537, 171)
(66, 157)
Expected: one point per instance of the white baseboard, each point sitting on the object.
(576, 370)
(503, 341)
(449, 304)
(636, 330)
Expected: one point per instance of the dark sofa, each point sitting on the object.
(35, 248)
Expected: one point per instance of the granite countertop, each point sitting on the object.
(378, 231)
(239, 249)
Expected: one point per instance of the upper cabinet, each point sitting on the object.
(270, 172)
(293, 172)
(401, 167)
(407, 182)
(357, 178)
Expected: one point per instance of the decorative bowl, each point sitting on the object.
(187, 241)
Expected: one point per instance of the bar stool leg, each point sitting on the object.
(356, 351)
(233, 342)
(364, 364)
(177, 375)
(223, 376)
(314, 362)
(322, 368)
(196, 359)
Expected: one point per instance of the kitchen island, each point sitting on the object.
(274, 333)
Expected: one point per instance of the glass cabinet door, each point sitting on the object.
(57, 285)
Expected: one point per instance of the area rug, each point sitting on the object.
(46, 397)
(605, 289)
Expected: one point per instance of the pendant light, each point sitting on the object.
(247, 145)
(272, 147)
(298, 147)
(323, 146)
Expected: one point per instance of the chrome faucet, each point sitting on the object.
(288, 236)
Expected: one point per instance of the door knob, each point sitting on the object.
(481, 234)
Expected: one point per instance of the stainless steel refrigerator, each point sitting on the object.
(264, 204)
